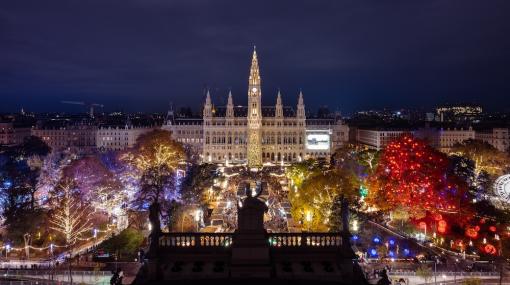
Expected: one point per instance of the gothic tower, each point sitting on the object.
(254, 115)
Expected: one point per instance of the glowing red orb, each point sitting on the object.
(441, 226)
(490, 249)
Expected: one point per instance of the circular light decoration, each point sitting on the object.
(441, 228)
(472, 233)
(502, 188)
(490, 249)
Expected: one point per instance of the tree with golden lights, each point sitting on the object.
(486, 157)
(70, 216)
(155, 159)
(313, 201)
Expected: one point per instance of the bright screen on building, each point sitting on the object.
(317, 140)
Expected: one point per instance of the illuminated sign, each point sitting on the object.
(317, 140)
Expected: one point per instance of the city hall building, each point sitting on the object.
(257, 134)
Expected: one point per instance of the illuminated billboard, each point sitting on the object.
(317, 140)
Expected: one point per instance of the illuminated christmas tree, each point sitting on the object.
(413, 175)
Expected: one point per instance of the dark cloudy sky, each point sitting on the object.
(137, 55)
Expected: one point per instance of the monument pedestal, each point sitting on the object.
(250, 256)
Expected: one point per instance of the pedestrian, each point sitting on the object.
(120, 276)
(115, 277)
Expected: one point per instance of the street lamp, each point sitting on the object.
(308, 218)
(198, 216)
(435, 269)
(7, 249)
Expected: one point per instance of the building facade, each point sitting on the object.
(78, 137)
(257, 134)
(497, 137)
(11, 135)
(378, 138)
(115, 138)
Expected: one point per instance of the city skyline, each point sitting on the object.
(141, 56)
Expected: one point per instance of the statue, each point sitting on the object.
(250, 248)
(251, 214)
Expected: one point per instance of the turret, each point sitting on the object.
(279, 107)
(301, 107)
(230, 106)
(208, 106)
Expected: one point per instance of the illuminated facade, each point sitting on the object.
(257, 134)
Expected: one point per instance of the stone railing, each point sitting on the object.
(183, 240)
(305, 240)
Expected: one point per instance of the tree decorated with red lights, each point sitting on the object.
(413, 175)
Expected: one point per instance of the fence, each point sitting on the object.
(195, 240)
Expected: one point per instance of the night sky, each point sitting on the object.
(138, 55)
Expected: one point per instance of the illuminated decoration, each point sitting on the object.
(412, 174)
(254, 155)
(363, 191)
(441, 226)
(377, 240)
(373, 252)
(406, 252)
(502, 188)
(492, 229)
(355, 237)
(392, 242)
(490, 249)
(471, 232)
(70, 217)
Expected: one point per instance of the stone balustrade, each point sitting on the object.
(183, 240)
(305, 240)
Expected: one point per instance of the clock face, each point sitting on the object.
(502, 188)
(254, 89)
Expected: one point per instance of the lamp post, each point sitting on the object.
(308, 218)
(198, 215)
(435, 270)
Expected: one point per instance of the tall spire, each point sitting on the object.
(279, 106)
(208, 98)
(301, 106)
(254, 69)
(208, 105)
(254, 155)
(230, 105)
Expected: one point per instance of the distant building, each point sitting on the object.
(68, 136)
(449, 137)
(497, 137)
(115, 138)
(11, 135)
(378, 138)
(187, 130)
(459, 113)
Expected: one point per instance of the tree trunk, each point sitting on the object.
(70, 265)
